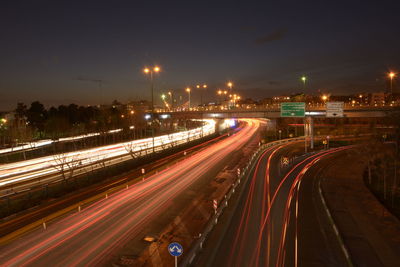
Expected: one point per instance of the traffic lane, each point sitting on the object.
(154, 194)
(316, 241)
(291, 151)
(237, 242)
(34, 168)
(306, 236)
(222, 248)
(19, 221)
(273, 230)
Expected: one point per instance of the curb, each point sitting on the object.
(335, 229)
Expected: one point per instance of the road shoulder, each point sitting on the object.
(370, 232)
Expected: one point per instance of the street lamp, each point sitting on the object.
(172, 101)
(188, 91)
(163, 96)
(391, 76)
(151, 72)
(219, 93)
(304, 79)
(324, 97)
(230, 85)
(204, 86)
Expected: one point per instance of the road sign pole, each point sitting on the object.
(311, 132)
(176, 250)
(305, 135)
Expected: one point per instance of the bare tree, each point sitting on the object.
(171, 140)
(66, 165)
(130, 148)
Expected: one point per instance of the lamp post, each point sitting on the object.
(151, 72)
(391, 76)
(201, 87)
(172, 100)
(219, 92)
(304, 79)
(163, 97)
(230, 85)
(225, 92)
(188, 91)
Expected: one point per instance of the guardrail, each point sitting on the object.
(198, 244)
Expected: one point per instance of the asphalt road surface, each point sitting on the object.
(94, 235)
(278, 218)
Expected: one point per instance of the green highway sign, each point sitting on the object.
(293, 109)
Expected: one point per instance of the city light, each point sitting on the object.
(391, 76)
(188, 91)
(230, 84)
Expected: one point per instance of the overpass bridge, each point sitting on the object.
(273, 113)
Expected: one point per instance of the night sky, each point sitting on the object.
(57, 52)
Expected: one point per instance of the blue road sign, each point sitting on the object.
(175, 249)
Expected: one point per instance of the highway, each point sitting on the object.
(24, 174)
(94, 235)
(277, 218)
(46, 142)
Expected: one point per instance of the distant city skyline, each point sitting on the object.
(91, 53)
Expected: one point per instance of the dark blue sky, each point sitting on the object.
(54, 51)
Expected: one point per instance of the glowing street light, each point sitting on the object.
(324, 97)
(172, 100)
(151, 71)
(204, 86)
(391, 76)
(304, 79)
(230, 85)
(188, 91)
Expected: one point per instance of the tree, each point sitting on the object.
(21, 111)
(131, 149)
(36, 116)
(66, 164)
